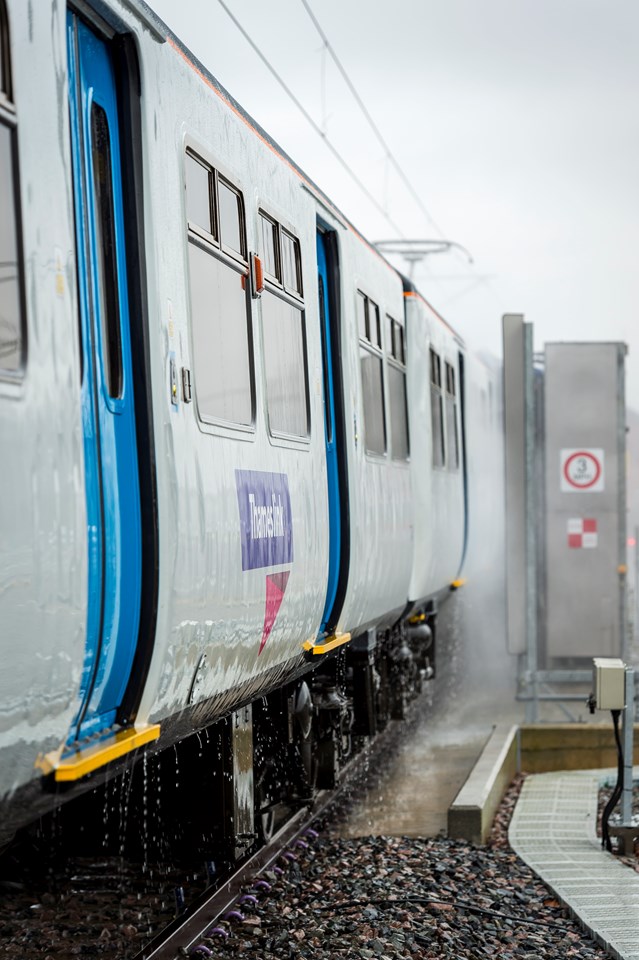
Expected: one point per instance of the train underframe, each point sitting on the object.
(221, 792)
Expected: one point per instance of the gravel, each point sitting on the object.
(389, 897)
(88, 907)
(373, 898)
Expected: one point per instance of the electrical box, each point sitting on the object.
(609, 681)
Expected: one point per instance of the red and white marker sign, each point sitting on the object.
(581, 470)
(582, 533)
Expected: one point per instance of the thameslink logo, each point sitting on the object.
(266, 521)
(266, 524)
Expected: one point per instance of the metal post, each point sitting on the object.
(635, 605)
(627, 734)
(532, 706)
(622, 503)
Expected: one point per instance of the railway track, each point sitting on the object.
(193, 933)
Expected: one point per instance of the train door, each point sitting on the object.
(335, 453)
(462, 417)
(110, 453)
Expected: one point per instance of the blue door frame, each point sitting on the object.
(332, 463)
(108, 415)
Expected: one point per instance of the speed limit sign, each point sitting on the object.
(581, 470)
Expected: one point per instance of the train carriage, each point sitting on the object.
(235, 433)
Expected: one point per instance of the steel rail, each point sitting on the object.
(185, 933)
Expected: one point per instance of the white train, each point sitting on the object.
(235, 440)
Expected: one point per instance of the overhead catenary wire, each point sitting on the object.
(330, 146)
(378, 134)
(380, 138)
(307, 116)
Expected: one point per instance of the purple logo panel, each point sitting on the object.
(265, 518)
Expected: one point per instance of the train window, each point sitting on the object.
(396, 340)
(291, 263)
(230, 205)
(11, 335)
(452, 432)
(284, 332)
(362, 320)
(220, 308)
(368, 313)
(437, 410)
(5, 73)
(398, 414)
(372, 375)
(374, 329)
(397, 391)
(220, 339)
(285, 366)
(269, 245)
(107, 255)
(198, 198)
(373, 393)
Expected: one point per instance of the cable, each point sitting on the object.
(371, 122)
(616, 793)
(458, 904)
(310, 119)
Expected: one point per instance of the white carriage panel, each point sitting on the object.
(486, 498)
(43, 544)
(380, 507)
(418, 340)
(438, 492)
(210, 607)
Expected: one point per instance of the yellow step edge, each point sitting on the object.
(328, 644)
(456, 584)
(87, 759)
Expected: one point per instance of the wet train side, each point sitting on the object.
(235, 481)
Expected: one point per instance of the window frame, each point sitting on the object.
(212, 244)
(241, 256)
(276, 281)
(450, 395)
(401, 365)
(270, 278)
(6, 92)
(435, 384)
(274, 286)
(369, 346)
(9, 119)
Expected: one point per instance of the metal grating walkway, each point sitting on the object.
(553, 830)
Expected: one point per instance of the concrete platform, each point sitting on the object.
(533, 748)
(471, 814)
(553, 830)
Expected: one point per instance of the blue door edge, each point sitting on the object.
(337, 478)
(126, 63)
(462, 417)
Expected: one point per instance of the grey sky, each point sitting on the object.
(516, 121)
